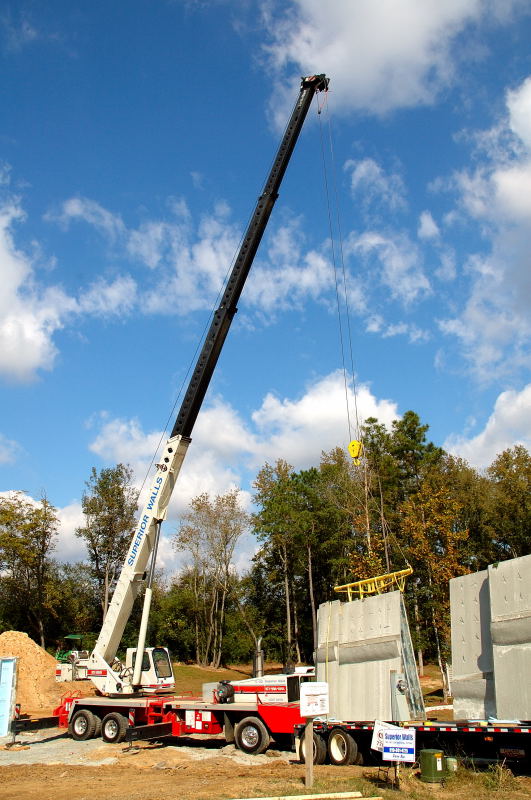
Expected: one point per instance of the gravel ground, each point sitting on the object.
(54, 746)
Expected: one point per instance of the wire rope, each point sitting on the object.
(336, 279)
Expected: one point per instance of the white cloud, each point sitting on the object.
(380, 56)
(17, 33)
(519, 107)
(428, 228)
(493, 327)
(508, 425)
(399, 261)
(299, 430)
(193, 259)
(86, 210)
(29, 314)
(70, 548)
(124, 441)
(375, 188)
(118, 297)
(9, 450)
(225, 447)
(227, 451)
(296, 276)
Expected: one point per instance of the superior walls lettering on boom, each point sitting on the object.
(154, 493)
(138, 538)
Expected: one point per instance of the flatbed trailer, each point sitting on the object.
(346, 742)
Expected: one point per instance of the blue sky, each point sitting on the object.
(134, 140)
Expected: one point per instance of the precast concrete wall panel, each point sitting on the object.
(359, 644)
(472, 663)
(326, 656)
(510, 598)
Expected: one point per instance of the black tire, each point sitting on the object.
(359, 759)
(342, 748)
(251, 735)
(114, 727)
(82, 726)
(97, 731)
(319, 749)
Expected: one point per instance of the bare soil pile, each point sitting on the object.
(37, 689)
(36, 686)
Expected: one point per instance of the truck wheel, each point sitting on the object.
(251, 735)
(342, 749)
(113, 728)
(319, 749)
(82, 726)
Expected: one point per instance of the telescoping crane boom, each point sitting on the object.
(152, 670)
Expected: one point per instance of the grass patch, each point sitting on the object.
(189, 678)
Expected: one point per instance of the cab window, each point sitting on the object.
(161, 662)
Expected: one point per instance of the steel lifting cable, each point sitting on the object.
(336, 280)
(338, 289)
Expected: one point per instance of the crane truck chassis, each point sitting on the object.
(250, 713)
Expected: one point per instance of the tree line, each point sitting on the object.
(404, 503)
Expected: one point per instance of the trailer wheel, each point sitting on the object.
(114, 728)
(251, 735)
(82, 726)
(319, 748)
(342, 749)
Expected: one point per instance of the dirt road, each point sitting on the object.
(50, 766)
(54, 766)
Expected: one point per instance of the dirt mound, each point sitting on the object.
(36, 685)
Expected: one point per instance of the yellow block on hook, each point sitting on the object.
(355, 449)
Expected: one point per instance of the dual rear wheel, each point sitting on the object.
(341, 748)
(86, 725)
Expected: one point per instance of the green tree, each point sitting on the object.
(110, 507)
(209, 533)
(28, 533)
(74, 599)
(510, 502)
(431, 529)
(275, 525)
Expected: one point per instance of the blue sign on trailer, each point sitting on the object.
(399, 745)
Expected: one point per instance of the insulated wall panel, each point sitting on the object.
(510, 597)
(359, 645)
(472, 664)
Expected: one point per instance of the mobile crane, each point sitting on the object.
(148, 670)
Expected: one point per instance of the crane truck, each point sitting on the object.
(136, 692)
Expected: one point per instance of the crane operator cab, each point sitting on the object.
(157, 671)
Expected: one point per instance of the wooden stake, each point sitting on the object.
(308, 752)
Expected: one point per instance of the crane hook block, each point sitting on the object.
(355, 449)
